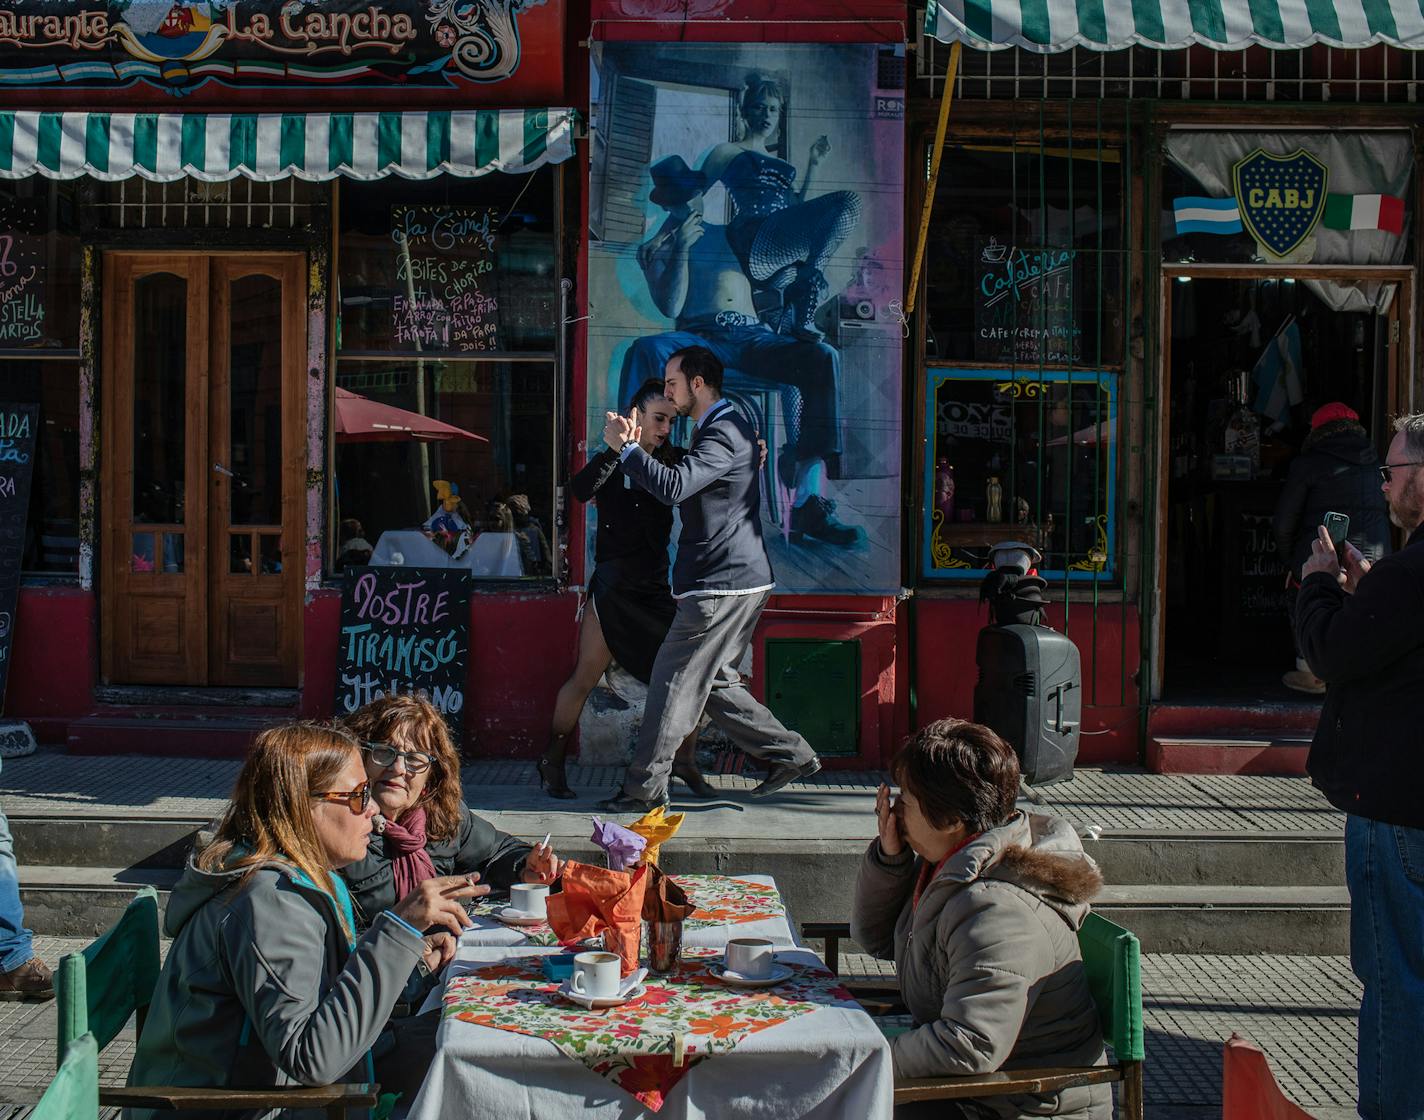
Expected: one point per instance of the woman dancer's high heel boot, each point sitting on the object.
(551, 773)
(804, 299)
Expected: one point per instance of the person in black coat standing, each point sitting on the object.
(1336, 472)
(1361, 627)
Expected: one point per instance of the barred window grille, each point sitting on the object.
(236, 204)
(1311, 75)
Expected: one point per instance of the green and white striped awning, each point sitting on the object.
(267, 146)
(1049, 26)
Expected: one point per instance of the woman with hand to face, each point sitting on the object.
(268, 982)
(979, 906)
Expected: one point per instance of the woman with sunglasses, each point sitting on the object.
(268, 982)
(425, 828)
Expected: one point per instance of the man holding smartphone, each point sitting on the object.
(1361, 628)
(1335, 472)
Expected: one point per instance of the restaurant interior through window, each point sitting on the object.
(1023, 350)
(444, 417)
(1254, 345)
(39, 357)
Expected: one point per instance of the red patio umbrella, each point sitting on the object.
(362, 420)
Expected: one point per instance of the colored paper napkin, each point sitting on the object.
(664, 900)
(656, 826)
(598, 900)
(624, 847)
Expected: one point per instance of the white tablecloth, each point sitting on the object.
(493, 555)
(832, 1064)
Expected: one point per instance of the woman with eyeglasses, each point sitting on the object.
(425, 828)
(268, 981)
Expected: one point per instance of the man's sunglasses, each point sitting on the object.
(356, 800)
(1387, 471)
(384, 754)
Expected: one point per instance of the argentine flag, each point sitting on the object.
(1206, 215)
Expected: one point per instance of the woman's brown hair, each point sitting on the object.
(270, 816)
(959, 772)
(414, 723)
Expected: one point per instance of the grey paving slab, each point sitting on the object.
(833, 804)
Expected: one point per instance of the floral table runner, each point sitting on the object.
(720, 900)
(646, 1046)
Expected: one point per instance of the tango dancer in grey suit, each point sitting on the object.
(721, 580)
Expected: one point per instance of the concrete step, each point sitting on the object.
(1292, 921)
(1229, 752)
(104, 841)
(197, 731)
(1290, 859)
(84, 901)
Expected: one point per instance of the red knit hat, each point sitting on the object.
(1335, 410)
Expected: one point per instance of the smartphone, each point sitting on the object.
(1338, 526)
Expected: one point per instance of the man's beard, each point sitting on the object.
(1407, 511)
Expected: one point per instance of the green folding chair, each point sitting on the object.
(1112, 958)
(113, 978)
(74, 1092)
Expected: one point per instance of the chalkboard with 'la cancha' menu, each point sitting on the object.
(19, 426)
(445, 278)
(405, 630)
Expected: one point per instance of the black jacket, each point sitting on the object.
(1337, 471)
(718, 495)
(1369, 649)
(634, 528)
(477, 846)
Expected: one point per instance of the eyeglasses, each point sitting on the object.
(384, 754)
(1387, 471)
(356, 800)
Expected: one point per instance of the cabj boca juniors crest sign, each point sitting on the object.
(1281, 198)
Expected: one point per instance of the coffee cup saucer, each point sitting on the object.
(778, 974)
(598, 1003)
(513, 916)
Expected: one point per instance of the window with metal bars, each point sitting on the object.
(191, 204)
(1309, 75)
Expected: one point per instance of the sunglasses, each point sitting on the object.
(1387, 471)
(384, 754)
(356, 800)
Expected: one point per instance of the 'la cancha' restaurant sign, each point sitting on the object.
(178, 44)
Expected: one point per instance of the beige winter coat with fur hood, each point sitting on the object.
(988, 960)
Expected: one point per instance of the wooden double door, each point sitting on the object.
(204, 404)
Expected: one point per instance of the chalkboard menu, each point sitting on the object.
(405, 630)
(22, 300)
(445, 279)
(19, 427)
(1023, 305)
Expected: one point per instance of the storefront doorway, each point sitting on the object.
(1252, 353)
(203, 418)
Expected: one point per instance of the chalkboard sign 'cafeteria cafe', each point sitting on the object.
(179, 46)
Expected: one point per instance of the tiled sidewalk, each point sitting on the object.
(1299, 1010)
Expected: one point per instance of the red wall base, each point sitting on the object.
(1108, 642)
(54, 660)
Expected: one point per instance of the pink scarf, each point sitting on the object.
(406, 842)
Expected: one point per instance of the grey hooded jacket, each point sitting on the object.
(988, 961)
(261, 986)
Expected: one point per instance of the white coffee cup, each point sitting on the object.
(752, 957)
(596, 975)
(532, 898)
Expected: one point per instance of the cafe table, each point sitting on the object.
(727, 906)
(692, 1048)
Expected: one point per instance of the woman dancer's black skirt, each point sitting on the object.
(635, 610)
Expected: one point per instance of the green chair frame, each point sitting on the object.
(1112, 957)
(114, 977)
(73, 1094)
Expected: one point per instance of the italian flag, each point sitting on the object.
(1364, 211)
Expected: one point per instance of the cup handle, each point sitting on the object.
(576, 983)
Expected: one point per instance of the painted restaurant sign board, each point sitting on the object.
(181, 45)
